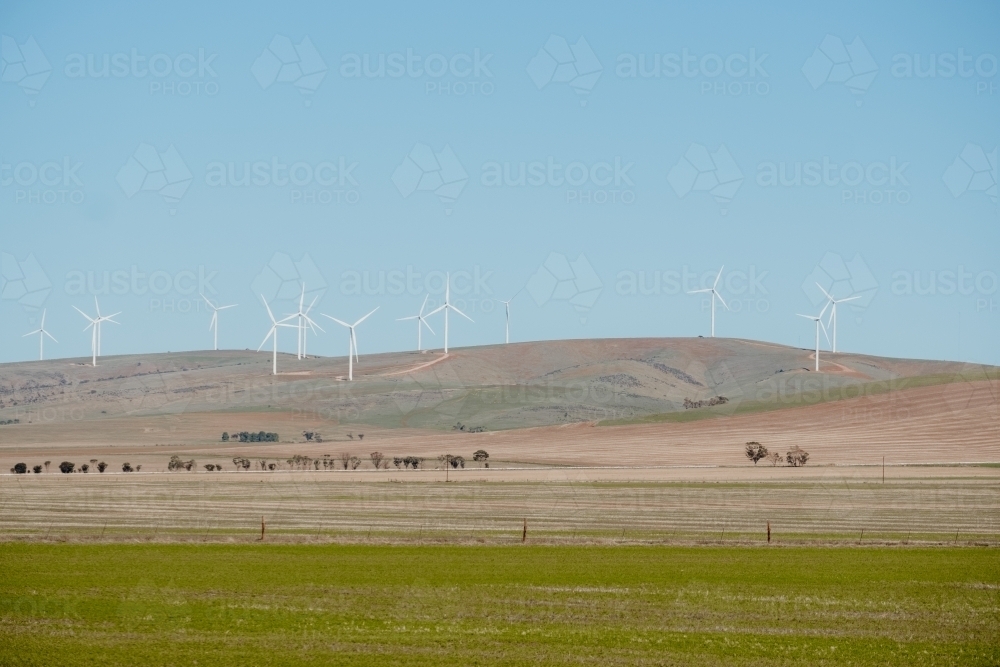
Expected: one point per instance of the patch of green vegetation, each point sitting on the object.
(152, 604)
(804, 397)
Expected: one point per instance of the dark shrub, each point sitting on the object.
(20, 468)
(66, 467)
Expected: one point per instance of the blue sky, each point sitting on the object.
(631, 182)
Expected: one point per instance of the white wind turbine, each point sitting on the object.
(273, 334)
(446, 307)
(832, 322)
(352, 347)
(213, 326)
(715, 294)
(42, 333)
(95, 326)
(305, 321)
(421, 322)
(818, 319)
(506, 307)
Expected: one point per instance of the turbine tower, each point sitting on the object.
(305, 321)
(272, 333)
(446, 307)
(95, 326)
(818, 319)
(213, 326)
(715, 294)
(352, 344)
(421, 322)
(506, 308)
(42, 333)
(832, 322)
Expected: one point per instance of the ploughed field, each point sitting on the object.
(155, 604)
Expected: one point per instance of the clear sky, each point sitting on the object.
(605, 158)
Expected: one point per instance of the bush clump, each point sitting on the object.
(66, 467)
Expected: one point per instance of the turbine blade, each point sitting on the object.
(49, 335)
(411, 317)
(269, 313)
(850, 298)
(210, 304)
(366, 317)
(266, 337)
(31, 333)
(699, 291)
(825, 334)
(343, 324)
(720, 298)
(824, 309)
(716, 283)
(808, 317)
(462, 314)
(825, 293)
(436, 310)
(424, 304)
(224, 307)
(422, 321)
(89, 318)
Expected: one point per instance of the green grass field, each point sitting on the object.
(156, 604)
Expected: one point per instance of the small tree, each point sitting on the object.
(457, 462)
(361, 436)
(47, 465)
(209, 467)
(774, 458)
(755, 451)
(126, 467)
(308, 435)
(66, 467)
(19, 468)
(355, 462)
(797, 456)
(345, 459)
(85, 467)
(397, 461)
(481, 456)
(36, 469)
(377, 458)
(102, 466)
(225, 436)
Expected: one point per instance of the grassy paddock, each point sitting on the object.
(174, 604)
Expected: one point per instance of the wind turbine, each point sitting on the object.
(818, 319)
(421, 322)
(832, 322)
(214, 324)
(446, 307)
(506, 307)
(715, 294)
(95, 326)
(42, 333)
(352, 347)
(304, 320)
(273, 334)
